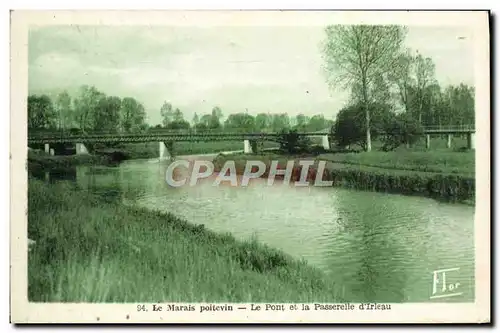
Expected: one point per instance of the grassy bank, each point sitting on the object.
(384, 173)
(448, 162)
(90, 251)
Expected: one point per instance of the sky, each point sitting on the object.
(240, 69)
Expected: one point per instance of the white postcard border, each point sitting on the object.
(22, 311)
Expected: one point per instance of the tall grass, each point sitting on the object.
(90, 251)
(442, 186)
(448, 162)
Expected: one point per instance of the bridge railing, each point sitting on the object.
(449, 128)
(208, 132)
(139, 133)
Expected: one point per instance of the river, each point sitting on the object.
(379, 247)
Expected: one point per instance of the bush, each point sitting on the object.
(350, 125)
(401, 129)
(292, 142)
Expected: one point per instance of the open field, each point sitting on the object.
(88, 250)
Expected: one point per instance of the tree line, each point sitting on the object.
(242, 121)
(93, 111)
(393, 90)
(90, 110)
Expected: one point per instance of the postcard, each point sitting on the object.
(250, 166)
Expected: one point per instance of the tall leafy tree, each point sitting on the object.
(402, 76)
(64, 110)
(196, 119)
(349, 127)
(301, 121)
(178, 115)
(241, 122)
(262, 121)
(85, 106)
(107, 114)
(215, 119)
(361, 54)
(133, 115)
(280, 122)
(424, 77)
(41, 113)
(167, 113)
(317, 123)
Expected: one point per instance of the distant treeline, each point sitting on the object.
(92, 110)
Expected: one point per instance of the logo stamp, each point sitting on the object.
(445, 283)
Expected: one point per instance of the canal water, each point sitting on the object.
(379, 247)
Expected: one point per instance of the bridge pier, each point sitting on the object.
(47, 148)
(427, 141)
(247, 147)
(325, 142)
(165, 153)
(448, 141)
(81, 149)
(52, 152)
(471, 141)
(254, 144)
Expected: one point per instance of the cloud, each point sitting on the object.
(262, 69)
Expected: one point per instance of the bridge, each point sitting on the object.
(162, 136)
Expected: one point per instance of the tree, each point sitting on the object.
(262, 121)
(280, 122)
(167, 113)
(291, 142)
(317, 123)
(301, 121)
(350, 125)
(196, 119)
(41, 113)
(64, 110)
(361, 54)
(424, 76)
(201, 126)
(240, 121)
(133, 115)
(179, 125)
(215, 118)
(177, 115)
(401, 129)
(402, 77)
(217, 113)
(205, 120)
(85, 106)
(107, 114)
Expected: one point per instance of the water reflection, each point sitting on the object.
(379, 247)
(55, 175)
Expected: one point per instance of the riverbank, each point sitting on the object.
(41, 161)
(90, 251)
(398, 173)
